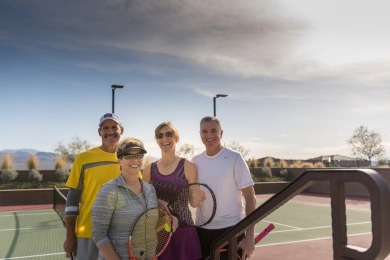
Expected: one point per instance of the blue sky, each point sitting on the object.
(301, 75)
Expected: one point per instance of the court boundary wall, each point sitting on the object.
(13, 197)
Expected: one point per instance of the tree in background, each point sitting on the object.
(71, 150)
(186, 151)
(237, 147)
(366, 143)
(7, 171)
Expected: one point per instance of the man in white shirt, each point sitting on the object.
(228, 175)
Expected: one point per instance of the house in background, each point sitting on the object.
(340, 161)
(327, 160)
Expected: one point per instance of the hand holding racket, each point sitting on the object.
(150, 235)
(195, 205)
(257, 239)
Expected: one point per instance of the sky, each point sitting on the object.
(300, 75)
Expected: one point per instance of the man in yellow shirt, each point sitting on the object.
(91, 169)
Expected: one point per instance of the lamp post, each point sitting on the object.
(113, 94)
(214, 98)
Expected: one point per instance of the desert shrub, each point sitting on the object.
(307, 165)
(32, 162)
(296, 164)
(35, 176)
(252, 163)
(7, 163)
(60, 163)
(8, 175)
(62, 174)
(283, 164)
(283, 174)
(260, 172)
(266, 172)
(31, 185)
(269, 162)
(318, 165)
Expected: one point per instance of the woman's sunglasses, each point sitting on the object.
(133, 156)
(167, 135)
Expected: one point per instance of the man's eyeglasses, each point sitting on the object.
(133, 156)
(161, 135)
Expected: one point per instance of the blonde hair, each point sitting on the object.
(168, 125)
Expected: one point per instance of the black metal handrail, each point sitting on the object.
(380, 212)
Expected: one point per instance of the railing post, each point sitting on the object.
(380, 212)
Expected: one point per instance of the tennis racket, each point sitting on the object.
(195, 205)
(259, 237)
(150, 235)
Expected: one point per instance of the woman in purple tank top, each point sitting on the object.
(168, 175)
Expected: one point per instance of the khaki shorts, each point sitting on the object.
(86, 249)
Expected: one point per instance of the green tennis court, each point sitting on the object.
(301, 221)
(39, 234)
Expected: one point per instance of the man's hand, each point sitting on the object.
(248, 246)
(70, 244)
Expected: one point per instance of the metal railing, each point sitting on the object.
(380, 212)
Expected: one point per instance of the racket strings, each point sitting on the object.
(150, 235)
(195, 205)
(206, 205)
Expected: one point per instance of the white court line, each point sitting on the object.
(280, 224)
(45, 227)
(30, 214)
(32, 256)
(323, 204)
(320, 227)
(307, 240)
(327, 205)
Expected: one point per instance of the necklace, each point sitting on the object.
(166, 164)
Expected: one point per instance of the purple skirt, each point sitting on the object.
(184, 245)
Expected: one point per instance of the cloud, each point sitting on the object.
(231, 37)
(252, 41)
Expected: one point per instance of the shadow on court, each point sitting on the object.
(31, 234)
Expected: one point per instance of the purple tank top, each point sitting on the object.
(167, 186)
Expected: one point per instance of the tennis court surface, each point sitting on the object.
(302, 230)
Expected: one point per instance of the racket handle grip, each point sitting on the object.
(263, 233)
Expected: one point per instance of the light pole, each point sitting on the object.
(214, 98)
(113, 94)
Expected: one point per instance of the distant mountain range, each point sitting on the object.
(46, 159)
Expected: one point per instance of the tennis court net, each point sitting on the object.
(59, 202)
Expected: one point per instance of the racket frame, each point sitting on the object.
(174, 213)
(166, 214)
